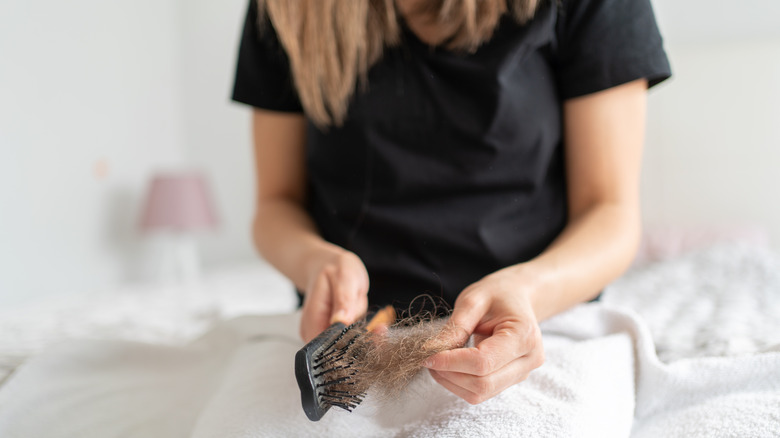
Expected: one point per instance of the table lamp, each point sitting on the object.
(177, 206)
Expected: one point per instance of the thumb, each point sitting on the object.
(316, 309)
(346, 305)
(468, 313)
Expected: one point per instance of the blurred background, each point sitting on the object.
(98, 97)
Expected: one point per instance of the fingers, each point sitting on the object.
(338, 293)
(476, 389)
(498, 312)
(316, 309)
(492, 353)
(349, 296)
(496, 363)
(468, 311)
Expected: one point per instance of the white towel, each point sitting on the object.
(601, 378)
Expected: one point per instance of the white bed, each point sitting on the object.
(712, 316)
(168, 314)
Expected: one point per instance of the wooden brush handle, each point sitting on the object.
(384, 316)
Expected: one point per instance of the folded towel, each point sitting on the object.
(601, 378)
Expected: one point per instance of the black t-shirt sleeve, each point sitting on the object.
(263, 78)
(605, 43)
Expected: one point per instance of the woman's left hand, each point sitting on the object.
(508, 343)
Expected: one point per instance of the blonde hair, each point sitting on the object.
(331, 44)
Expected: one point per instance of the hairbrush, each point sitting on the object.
(326, 370)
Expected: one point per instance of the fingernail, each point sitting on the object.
(427, 363)
(339, 316)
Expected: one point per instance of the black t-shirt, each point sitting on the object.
(450, 166)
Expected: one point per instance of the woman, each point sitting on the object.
(484, 151)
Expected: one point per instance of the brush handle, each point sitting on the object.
(385, 316)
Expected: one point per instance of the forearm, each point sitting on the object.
(604, 135)
(334, 280)
(594, 249)
(283, 231)
(287, 238)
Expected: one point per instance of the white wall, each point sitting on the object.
(713, 148)
(713, 143)
(717, 21)
(84, 85)
(217, 131)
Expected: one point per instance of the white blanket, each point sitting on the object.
(601, 379)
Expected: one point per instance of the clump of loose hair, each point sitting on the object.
(331, 44)
(383, 361)
(392, 360)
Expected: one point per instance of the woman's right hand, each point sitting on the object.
(333, 279)
(337, 290)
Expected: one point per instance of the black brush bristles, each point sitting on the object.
(325, 370)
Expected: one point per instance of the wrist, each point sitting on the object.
(538, 285)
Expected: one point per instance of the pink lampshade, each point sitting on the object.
(178, 202)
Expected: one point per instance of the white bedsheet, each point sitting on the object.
(601, 379)
(167, 314)
(720, 302)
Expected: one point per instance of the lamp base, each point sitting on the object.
(180, 259)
